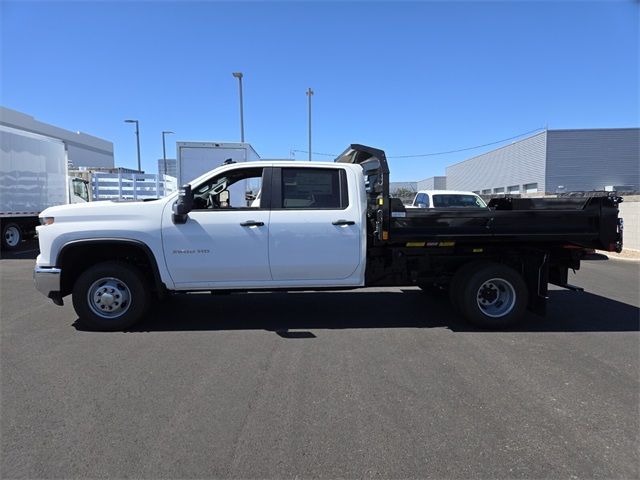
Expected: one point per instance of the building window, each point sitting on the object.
(486, 191)
(498, 190)
(513, 189)
(530, 188)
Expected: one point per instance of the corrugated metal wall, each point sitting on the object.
(433, 183)
(592, 159)
(522, 162)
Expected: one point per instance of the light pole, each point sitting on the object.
(238, 75)
(137, 139)
(164, 149)
(309, 93)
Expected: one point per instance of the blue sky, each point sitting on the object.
(410, 78)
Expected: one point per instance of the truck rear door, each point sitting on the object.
(315, 229)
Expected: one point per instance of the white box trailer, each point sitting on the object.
(197, 158)
(33, 177)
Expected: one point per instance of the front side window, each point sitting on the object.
(238, 188)
(314, 188)
(422, 200)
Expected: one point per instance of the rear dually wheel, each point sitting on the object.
(493, 296)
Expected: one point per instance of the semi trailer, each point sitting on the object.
(33, 177)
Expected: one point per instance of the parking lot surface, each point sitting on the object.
(384, 383)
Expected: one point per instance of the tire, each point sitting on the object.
(110, 296)
(458, 279)
(494, 296)
(11, 236)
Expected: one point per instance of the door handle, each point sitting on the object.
(251, 223)
(343, 222)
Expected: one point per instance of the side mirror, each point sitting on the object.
(183, 206)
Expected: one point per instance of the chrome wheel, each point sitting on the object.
(496, 297)
(11, 236)
(109, 297)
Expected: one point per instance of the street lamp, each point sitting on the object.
(238, 75)
(137, 139)
(309, 93)
(164, 149)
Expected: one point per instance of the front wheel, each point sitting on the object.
(110, 296)
(494, 296)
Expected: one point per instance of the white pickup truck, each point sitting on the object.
(313, 226)
(446, 199)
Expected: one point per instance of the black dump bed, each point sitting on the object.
(587, 222)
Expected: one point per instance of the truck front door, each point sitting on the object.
(224, 242)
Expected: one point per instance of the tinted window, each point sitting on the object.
(314, 188)
(454, 201)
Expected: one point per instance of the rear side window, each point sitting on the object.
(314, 188)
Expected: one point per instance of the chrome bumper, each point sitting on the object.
(47, 280)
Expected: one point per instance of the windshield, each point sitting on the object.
(458, 200)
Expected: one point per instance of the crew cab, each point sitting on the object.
(314, 225)
(447, 199)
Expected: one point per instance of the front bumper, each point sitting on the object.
(47, 281)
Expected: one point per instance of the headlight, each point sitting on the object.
(46, 220)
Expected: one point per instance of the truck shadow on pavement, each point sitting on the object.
(410, 308)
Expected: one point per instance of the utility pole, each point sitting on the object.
(164, 149)
(238, 75)
(309, 93)
(137, 139)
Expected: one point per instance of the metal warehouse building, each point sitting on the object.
(433, 183)
(554, 161)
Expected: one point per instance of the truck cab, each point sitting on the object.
(305, 230)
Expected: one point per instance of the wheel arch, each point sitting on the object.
(77, 255)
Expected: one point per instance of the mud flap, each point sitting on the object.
(536, 276)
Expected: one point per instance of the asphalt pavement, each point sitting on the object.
(376, 383)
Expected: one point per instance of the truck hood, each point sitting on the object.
(103, 209)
